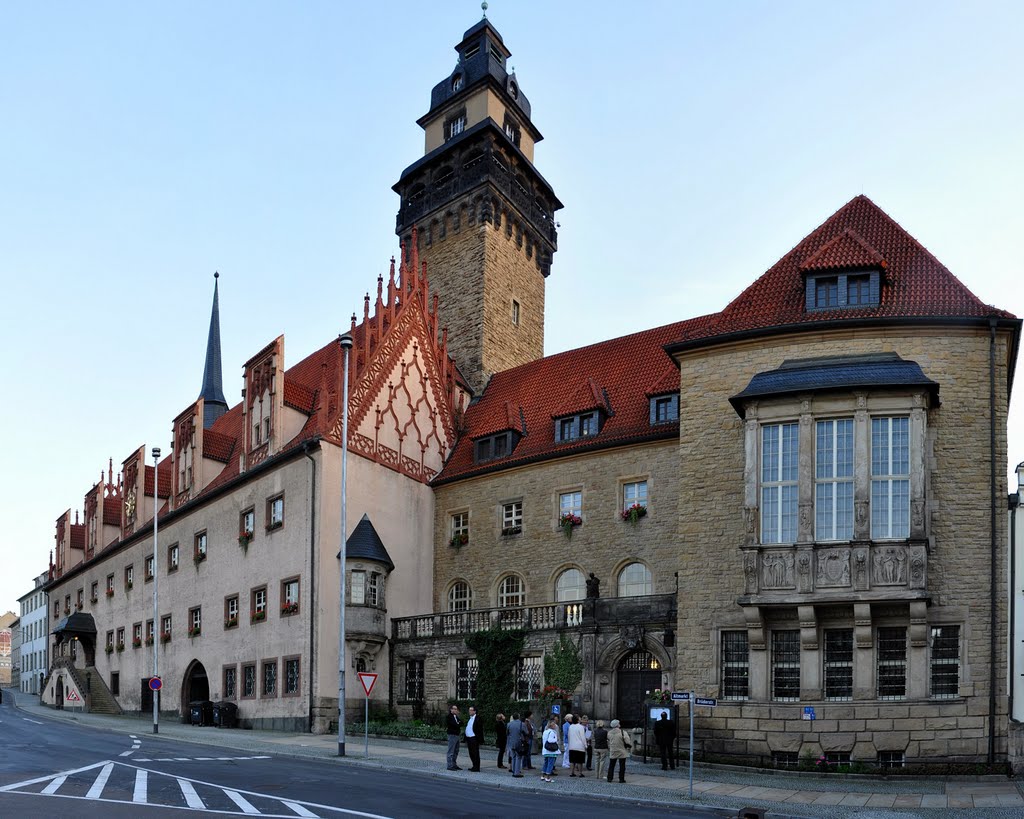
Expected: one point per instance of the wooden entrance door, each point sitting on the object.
(638, 673)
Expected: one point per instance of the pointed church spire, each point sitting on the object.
(212, 393)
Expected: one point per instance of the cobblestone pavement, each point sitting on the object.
(782, 794)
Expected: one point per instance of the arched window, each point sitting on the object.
(511, 592)
(635, 581)
(460, 597)
(570, 585)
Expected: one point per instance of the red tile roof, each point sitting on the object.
(298, 396)
(77, 535)
(112, 511)
(845, 251)
(166, 467)
(217, 445)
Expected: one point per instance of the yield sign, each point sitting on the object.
(367, 680)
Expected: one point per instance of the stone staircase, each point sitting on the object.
(101, 701)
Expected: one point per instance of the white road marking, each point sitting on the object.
(37, 722)
(54, 785)
(126, 753)
(133, 737)
(241, 801)
(180, 759)
(301, 811)
(38, 779)
(101, 781)
(191, 797)
(204, 759)
(141, 788)
(140, 759)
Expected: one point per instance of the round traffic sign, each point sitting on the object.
(155, 683)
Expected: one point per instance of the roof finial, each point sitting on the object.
(483, 5)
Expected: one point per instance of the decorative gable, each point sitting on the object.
(186, 456)
(133, 491)
(262, 404)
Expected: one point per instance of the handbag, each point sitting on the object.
(524, 747)
(550, 746)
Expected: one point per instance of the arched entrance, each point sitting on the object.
(638, 672)
(59, 692)
(194, 687)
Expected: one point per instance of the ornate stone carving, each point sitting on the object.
(917, 517)
(750, 573)
(889, 566)
(777, 570)
(749, 525)
(803, 571)
(860, 569)
(632, 636)
(918, 567)
(833, 567)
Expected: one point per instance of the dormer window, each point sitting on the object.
(854, 288)
(495, 446)
(858, 290)
(664, 409)
(457, 82)
(584, 425)
(826, 292)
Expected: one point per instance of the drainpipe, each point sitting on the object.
(1014, 507)
(992, 543)
(312, 575)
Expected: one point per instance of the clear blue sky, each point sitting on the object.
(144, 146)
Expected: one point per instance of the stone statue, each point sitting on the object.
(593, 586)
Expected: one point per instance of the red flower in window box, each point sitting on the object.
(110, 592)
(290, 608)
(136, 642)
(149, 641)
(244, 539)
(568, 522)
(230, 622)
(634, 513)
(165, 637)
(458, 540)
(195, 631)
(259, 616)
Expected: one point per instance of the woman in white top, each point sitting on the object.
(549, 747)
(577, 747)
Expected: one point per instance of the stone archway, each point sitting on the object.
(59, 692)
(195, 686)
(638, 672)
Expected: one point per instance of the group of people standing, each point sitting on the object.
(576, 743)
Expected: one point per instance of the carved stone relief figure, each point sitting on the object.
(834, 567)
(777, 570)
(890, 566)
(917, 517)
(860, 569)
(803, 568)
(750, 573)
(749, 525)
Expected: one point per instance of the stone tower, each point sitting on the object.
(484, 215)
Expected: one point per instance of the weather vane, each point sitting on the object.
(483, 5)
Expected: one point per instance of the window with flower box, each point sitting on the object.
(149, 632)
(269, 679)
(291, 677)
(275, 512)
(199, 549)
(136, 635)
(120, 639)
(110, 585)
(129, 576)
(570, 510)
(195, 621)
(258, 604)
(110, 642)
(230, 682)
(165, 628)
(249, 681)
(458, 527)
(512, 518)
(150, 568)
(231, 611)
(246, 527)
(289, 596)
(172, 558)
(94, 591)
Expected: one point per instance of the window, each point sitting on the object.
(785, 759)
(459, 529)
(137, 635)
(129, 576)
(945, 662)
(471, 51)
(67, 604)
(570, 585)
(891, 759)
(149, 567)
(577, 426)
(258, 604)
(269, 677)
(275, 512)
(110, 585)
(115, 683)
(892, 663)
(414, 679)
(247, 523)
(291, 677)
(512, 130)
(165, 627)
(172, 558)
(635, 581)
(56, 609)
(375, 589)
(94, 591)
(515, 313)
(195, 621)
(248, 681)
(460, 598)
(357, 588)
(664, 409)
(494, 446)
(230, 682)
(455, 126)
(735, 665)
(79, 599)
(290, 596)
(890, 477)
(149, 632)
(120, 639)
(858, 290)
(779, 483)
(837, 757)
(786, 666)
(457, 82)
(634, 493)
(570, 503)
(200, 547)
(465, 678)
(511, 593)
(833, 463)
(231, 611)
(512, 518)
(529, 675)
(839, 665)
(826, 292)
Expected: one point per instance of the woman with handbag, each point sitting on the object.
(618, 750)
(550, 750)
(577, 747)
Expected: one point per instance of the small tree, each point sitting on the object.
(563, 666)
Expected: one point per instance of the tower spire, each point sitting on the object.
(212, 393)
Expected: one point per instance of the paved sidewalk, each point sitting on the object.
(783, 795)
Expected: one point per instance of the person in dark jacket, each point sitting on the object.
(600, 746)
(515, 736)
(528, 731)
(454, 730)
(500, 738)
(665, 735)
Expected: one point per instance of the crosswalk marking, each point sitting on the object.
(301, 811)
(141, 790)
(101, 781)
(192, 758)
(191, 797)
(55, 784)
(241, 801)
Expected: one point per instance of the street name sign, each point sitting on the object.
(709, 702)
(680, 696)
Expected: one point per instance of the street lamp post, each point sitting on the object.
(156, 586)
(346, 344)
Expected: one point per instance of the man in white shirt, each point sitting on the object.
(474, 736)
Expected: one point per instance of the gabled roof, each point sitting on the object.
(846, 251)
(364, 543)
(589, 396)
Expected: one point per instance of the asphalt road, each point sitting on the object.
(53, 769)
